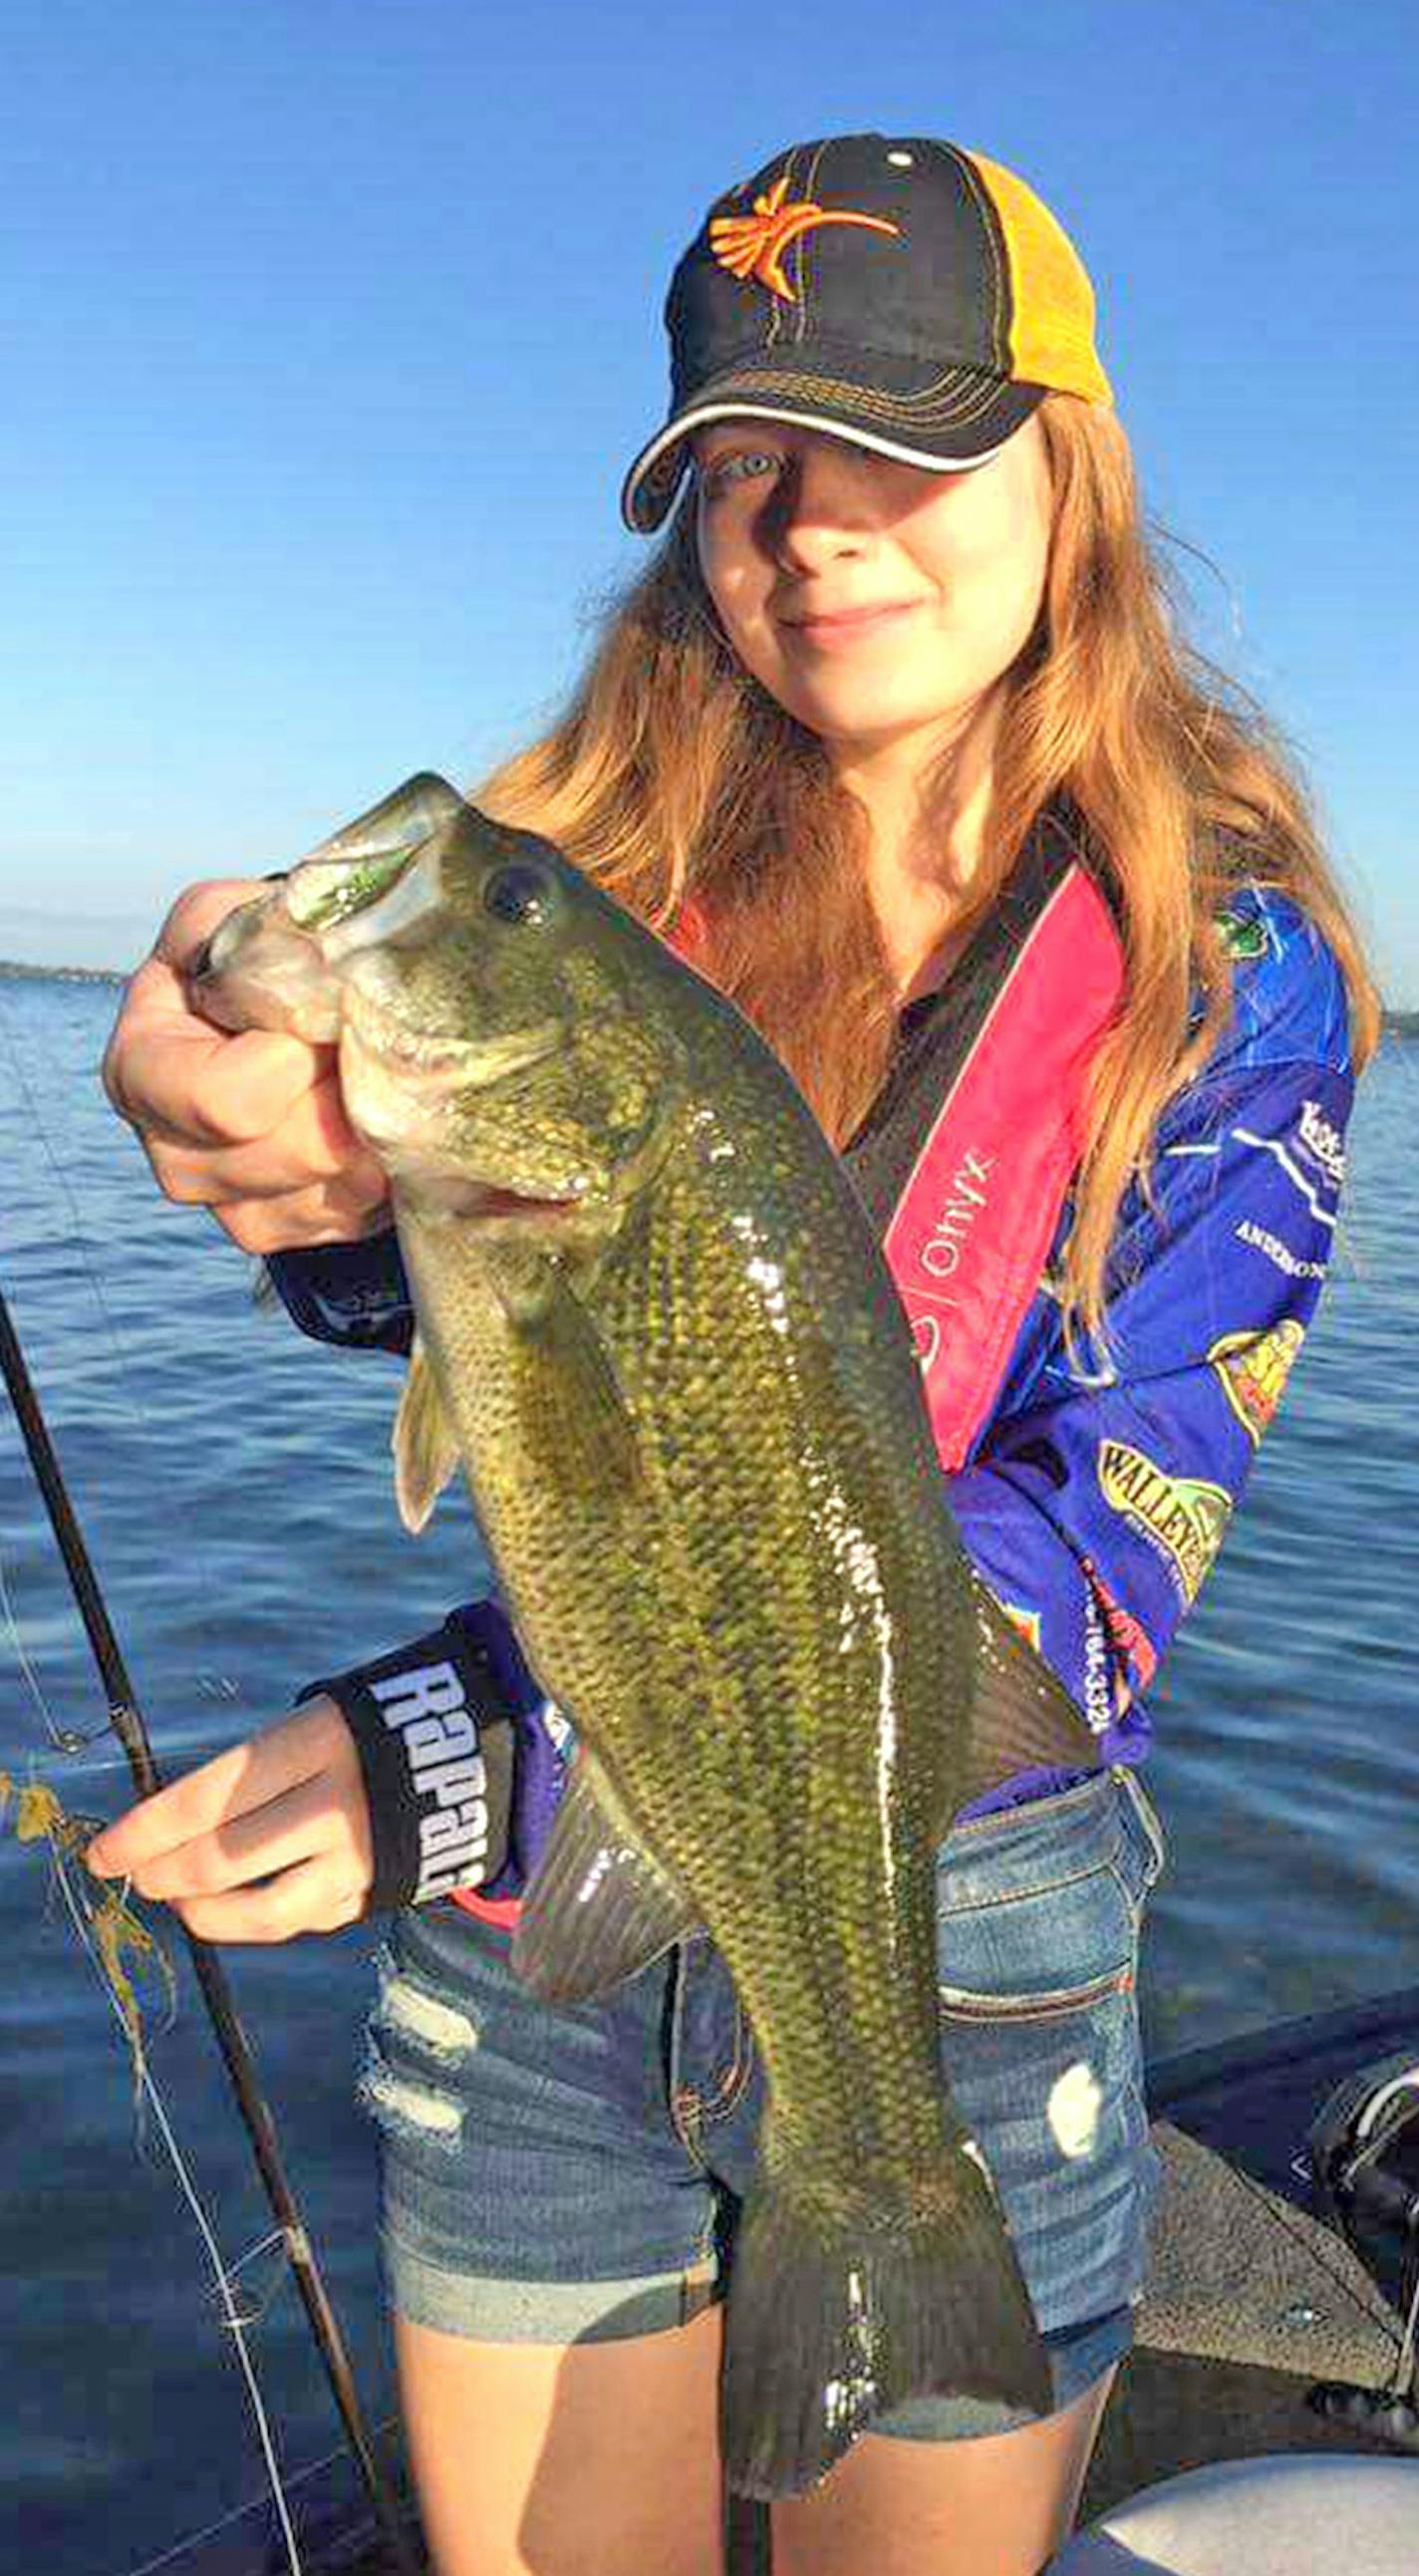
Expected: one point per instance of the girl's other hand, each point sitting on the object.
(250, 1126)
(270, 1839)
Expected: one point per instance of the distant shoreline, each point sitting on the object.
(16, 972)
(1397, 1024)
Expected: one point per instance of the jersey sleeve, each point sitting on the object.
(355, 1294)
(1099, 1495)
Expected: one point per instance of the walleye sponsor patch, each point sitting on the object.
(1183, 1517)
(753, 245)
(1252, 1369)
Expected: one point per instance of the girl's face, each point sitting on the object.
(876, 601)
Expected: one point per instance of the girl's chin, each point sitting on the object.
(864, 718)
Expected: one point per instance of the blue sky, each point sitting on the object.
(332, 326)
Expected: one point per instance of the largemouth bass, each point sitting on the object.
(659, 1336)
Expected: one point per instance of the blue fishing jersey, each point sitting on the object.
(1097, 1497)
(1092, 1488)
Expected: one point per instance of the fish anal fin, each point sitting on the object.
(425, 1444)
(599, 1909)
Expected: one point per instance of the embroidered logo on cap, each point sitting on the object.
(753, 245)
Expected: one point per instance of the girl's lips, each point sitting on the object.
(851, 625)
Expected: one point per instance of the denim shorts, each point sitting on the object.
(563, 2176)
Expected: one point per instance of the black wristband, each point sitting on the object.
(433, 1728)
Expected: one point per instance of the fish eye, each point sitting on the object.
(519, 893)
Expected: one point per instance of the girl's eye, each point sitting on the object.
(741, 465)
(519, 893)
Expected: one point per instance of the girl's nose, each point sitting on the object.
(821, 505)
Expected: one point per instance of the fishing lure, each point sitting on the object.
(40, 1816)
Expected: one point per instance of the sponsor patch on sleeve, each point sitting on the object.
(1184, 1518)
(1252, 1369)
(1244, 935)
(1293, 1265)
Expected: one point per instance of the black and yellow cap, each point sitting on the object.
(900, 292)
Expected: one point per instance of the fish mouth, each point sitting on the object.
(430, 1063)
(483, 1200)
(443, 1194)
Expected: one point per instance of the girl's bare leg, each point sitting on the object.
(998, 2506)
(601, 2459)
(591, 2459)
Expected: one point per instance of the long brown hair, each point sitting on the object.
(673, 774)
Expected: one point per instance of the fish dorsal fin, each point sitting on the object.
(599, 1908)
(425, 1444)
(572, 1409)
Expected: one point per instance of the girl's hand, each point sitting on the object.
(250, 1126)
(270, 1839)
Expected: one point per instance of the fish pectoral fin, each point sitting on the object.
(599, 1909)
(424, 1443)
(571, 1408)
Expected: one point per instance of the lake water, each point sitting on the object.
(233, 1484)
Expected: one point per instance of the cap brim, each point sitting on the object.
(955, 423)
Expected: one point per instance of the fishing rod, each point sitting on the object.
(126, 1719)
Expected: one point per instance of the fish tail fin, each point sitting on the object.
(839, 2309)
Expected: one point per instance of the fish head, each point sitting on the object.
(508, 1041)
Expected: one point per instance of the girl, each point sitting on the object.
(896, 740)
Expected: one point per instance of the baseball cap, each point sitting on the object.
(899, 292)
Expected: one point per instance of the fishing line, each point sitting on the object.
(209, 2531)
(64, 1738)
(270, 2243)
(127, 1721)
(1405, 2366)
(75, 1226)
(233, 2317)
